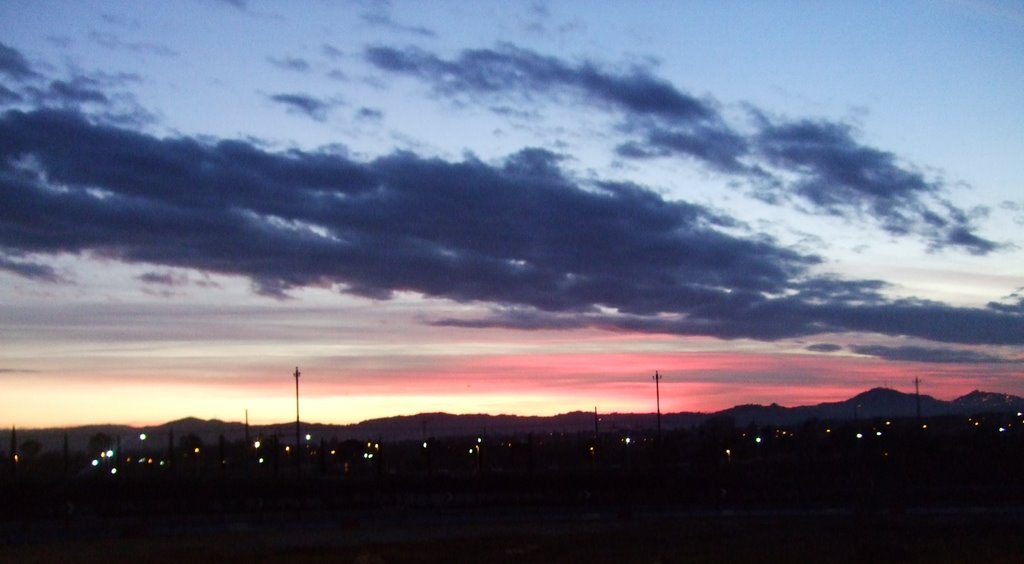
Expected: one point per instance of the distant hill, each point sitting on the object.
(874, 403)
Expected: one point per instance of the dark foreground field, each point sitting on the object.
(937, 536)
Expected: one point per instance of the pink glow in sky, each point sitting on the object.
(484, 207)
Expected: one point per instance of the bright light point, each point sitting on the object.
(370, 455)
(287, 448)
(878, 433)
(95, 462)
(1002, 429)
(757, 440)
(142, 436)
(113, 470)
(260, 461)
(110, 453)
(628, 440)
(828, 430)
(924, 425)
(332, 452)
(424, 445)
(196, 450)
(860, 436)
(161, 463)
(256, 444)
(479, 440)
(308, 436)
(728, 452)
(887, 423)
(471, 451)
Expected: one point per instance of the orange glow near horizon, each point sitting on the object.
(538, 384)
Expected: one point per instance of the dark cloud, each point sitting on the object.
(712, 143)
(839, 176)
(71, 93)
(304, 104)
(1014, 303)
(824, 347)
(544, 249)
(163, 278)
(101, 95)
(817, 165)
(934, 355)
(8, 96)
(297, 64)
(30, 270)
(13, 64)
(511, 71)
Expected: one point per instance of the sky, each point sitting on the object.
(494, 207)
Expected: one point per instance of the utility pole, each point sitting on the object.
(657, 443)
(657, 397)
(917, 399)
(14, 452)
(298, 440)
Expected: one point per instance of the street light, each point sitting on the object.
(657, 397)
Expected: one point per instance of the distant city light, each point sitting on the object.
(308, 436)
(260, 461)
(113, 470)
(860, 436)
(256, 444)
(95, 462)
(142, 436)
(1002, 429)
(424, 444)
(878, 433)
(628, 440)
(110, 453)
(196, 450)
(479, 440)
(757, 440)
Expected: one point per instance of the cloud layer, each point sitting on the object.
(819, 166)
(542, 248)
